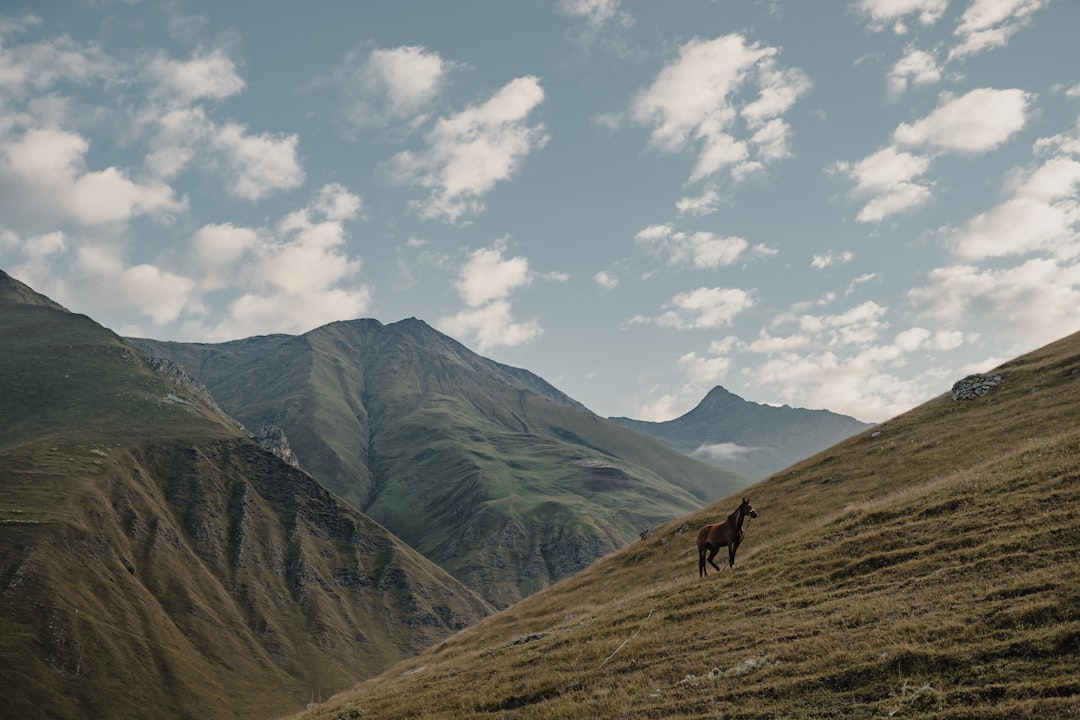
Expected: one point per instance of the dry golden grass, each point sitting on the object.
(927, 568)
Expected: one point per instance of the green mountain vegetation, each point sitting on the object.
(486, 469)
(929, 567)
(752, 439)
(155, 562)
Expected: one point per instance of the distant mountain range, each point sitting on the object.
(753, 440)
(228, 530)
(487, 469)
(155, 562)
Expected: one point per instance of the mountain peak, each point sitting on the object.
(17, 292)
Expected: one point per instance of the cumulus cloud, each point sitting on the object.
(606, 280)
(289, 278)
(705, 204)
(207, 75)
(880, 14)
(703, 308)
(467, 154)
(701, 250)
(485, 283)
(488, 276)
(704, 99)
(45, 181)
(916, 69)
(891, 181)
(847, 361)
(258, 164)
(34, 67)
(823, 261)
(975, 122)
(596, 13)
(391, 85)
(986, 24)
(1031, 304)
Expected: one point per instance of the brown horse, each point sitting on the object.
(730, 532)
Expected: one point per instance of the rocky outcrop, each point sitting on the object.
(273, 438)
(974, 386)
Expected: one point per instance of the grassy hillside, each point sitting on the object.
(488, 470)
(154, 562)
(929, 567)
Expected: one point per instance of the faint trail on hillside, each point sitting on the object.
(636, 632)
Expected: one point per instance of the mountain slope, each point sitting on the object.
(488, 470)
(156, 562)
(752, 439)
(929, 567)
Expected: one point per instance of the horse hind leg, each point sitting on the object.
(702, 572)
(712, 554)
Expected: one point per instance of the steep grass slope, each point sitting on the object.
(486, 469)
(929, 567)
(154, 562)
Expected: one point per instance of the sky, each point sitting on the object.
(845, 204)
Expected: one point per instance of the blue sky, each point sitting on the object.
(843, 205)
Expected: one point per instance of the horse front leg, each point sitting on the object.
(731, 548)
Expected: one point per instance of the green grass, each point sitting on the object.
(929, 567)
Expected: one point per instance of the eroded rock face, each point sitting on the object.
(273, 438)
(974, 386)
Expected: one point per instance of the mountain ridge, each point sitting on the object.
(155, 560)
(751, 438)
(489, 470)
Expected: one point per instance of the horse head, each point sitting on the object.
(747, 509)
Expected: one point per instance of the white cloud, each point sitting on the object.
(490, 326)
(468, 153)
(705, 204)
(289, 279)
(596, 12)
(606, 280)
(45, 181)
(218, 249)
(702, 250)
(976, 122)
(703, 308)
(698, 99)
(986, 24)
(1027, 305)
(846, 361)
(704, 370)
(890, 180)
(916, 69)
(34, 67)
(880, 14)
(258, 164)
(485, 283)
(823, 261)
(391, 86)
(207, 75)
(487, 276)
(887, 179)
(719, 452)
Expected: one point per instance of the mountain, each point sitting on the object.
(927, 567)
(486, 469)
(155, 562)
(753, 440)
